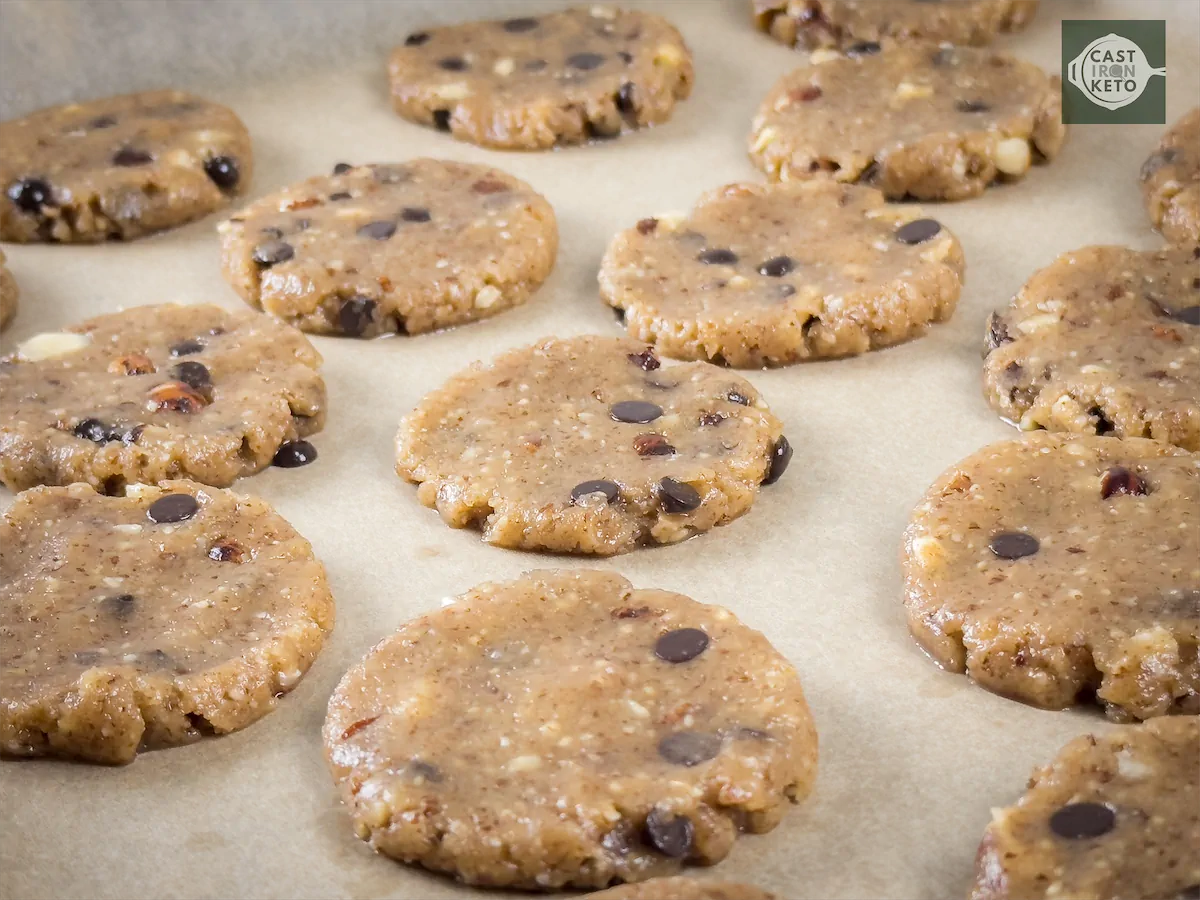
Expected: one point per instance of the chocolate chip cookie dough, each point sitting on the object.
(590, 445)
(763, 275)
(156, 392)
(920, 120)
(119, 168)
(387, 249)
(1104, 340)
(680, 888)
(1171, 181)
(813, 24)
(534, 82)
(565, 729)
(1114, 815)
(1057, 568)
(149, 620)
(8, 295)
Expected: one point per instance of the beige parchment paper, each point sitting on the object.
(911, 758)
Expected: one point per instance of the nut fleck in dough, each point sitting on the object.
(156, 392)
(680, 888)
(1104, 340)
(119, 168)
(8, 295)
(1171, 181)
(1115, 815)
(149, 620)
(1054, 566)
(590, 445)
(935, 123)
(384, 249)
(814, 24)
(530, 83)
(564, 730)
(763, 275)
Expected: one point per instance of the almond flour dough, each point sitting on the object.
(1171, 181)
(156, 392)
(564, 730)
(119, 168)
(1115, 815)
(918, 120)
(531, 83)
(680, 888)
(8, 295)
(386, 249)
(813, 24)
(590, 445)
(761, 275)
(1104, 340)
(149, 620)
(1056, 567)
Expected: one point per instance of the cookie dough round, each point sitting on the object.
(1057, 567)
(8, 295)
(1171, 181)
(392, 249)
(1104, 340)
(590, 445)
(919, 120)
(1114, 815)
(149, 620)
(564, 730)
(119, 168)
(533, 82)
(813, 24)
(156, 392)
(763, 275)
(680, 888)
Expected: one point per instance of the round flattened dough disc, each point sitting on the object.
(1171, 181)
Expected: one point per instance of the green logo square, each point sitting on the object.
(1114, 71)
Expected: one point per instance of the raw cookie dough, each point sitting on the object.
(8, 295)
(590, 445)
(930, 122)
(530, 83)
(1115, 815)
(1171, 181)
(1055, 566)
(564, 730)
(761, 275)
(149, 620)
(843, 23)
(156, 392)
(1104, 340)
(119, 168)
(680, 888)
(385, 249)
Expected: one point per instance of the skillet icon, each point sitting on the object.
(1112, 71)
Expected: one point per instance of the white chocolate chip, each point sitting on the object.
(52, 344)
(524, 764)
(1033, 323)
(763, 139)
(603, 12)
(504, 66)
(180, 158)
(928, 551)
(823, 55)
(456, 90)
(1013, 156)
(487, 296)
(669, 54)
(906, 90)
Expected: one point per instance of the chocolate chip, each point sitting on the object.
(441, 119)
(293, 454)
(453, 64)
(172, 508)
(418, 768)
(175, 396)
(272, 253)
(718, 256)
(862, 48)
(1191, 892)
(489, 186)
(92, 430)
(670, 835)
(712, 418)
(652, 445)
(689, 748)
(517, 26)
(1120, 480)
(619, 314)
(997, 332)
(337, 196)
(223, 172)
(31, 194)
(645, 226)
(130, 156)
(225, 551)
(681, 645)
(342, 168)
(806, 94)
(735, 396)
(535, 65)
(1077, 821)
(677, 497)
(918, 231)
(1157, 160)
(1014, 544)
(415, 214)
(585, 61)
(380, 230)
(101, 122)
(635, 411)
(611, 490)
(781, 455)
(1189, 315)
(356, 315)
(624, 98)
(777, 266)
(195, 375)
(187, 348)
(646, 360)
(416, 39)
(121, 606)
(1104, 425)
(625, 56)
(971, 106)
(131, 435)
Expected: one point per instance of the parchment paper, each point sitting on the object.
(911, 758)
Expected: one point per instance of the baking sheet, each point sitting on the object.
(911, 758)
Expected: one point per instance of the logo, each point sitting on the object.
(1114, 72)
